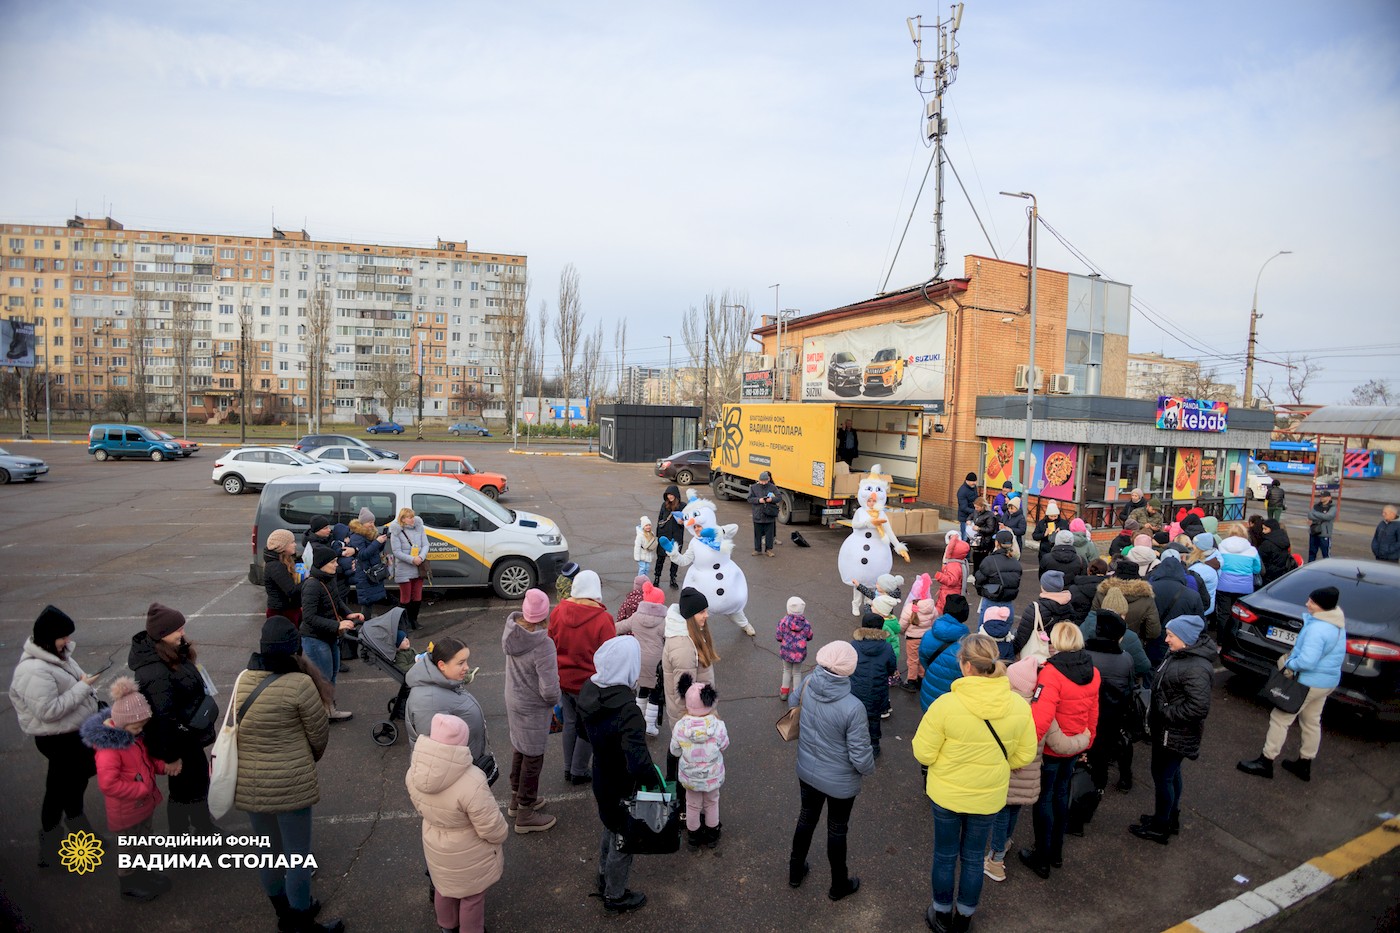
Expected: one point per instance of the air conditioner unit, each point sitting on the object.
(1021, 381)
(789, 359)
(305, 266)
(120, 312)
(765, 361)
(1062, 383)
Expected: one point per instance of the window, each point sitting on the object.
(333, 453)
(446, 512)
(298, 508)
(380, 503)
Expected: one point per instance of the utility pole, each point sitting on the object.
(945, 72)
(1254, 317)
(705, 407)
(1030, 376)
(778, 336)
(419, 423)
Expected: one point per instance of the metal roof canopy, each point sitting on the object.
(1360, 421)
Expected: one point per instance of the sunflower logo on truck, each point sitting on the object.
(730, 436)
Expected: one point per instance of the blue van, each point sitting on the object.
(107, 441)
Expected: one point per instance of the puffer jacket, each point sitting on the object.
(283, 591)
(621, 761)
(368, 552)
(678, 656)
(463, 829)
(648, 626)
(430, 693)
(1085, 547)
(794, 635)
(999, 568)
(280, 740)
(126, 772)
(1015, 522)
(321, 607)
(48, 693)
(1321, 649)
(1276, 554)
(1065, 559)
(953, 574)
(917, 619)
(1181, 697)
(1239, 562)
(967, 771)
(940, 673)
(1116, 680)
(532, 685)
(1067, 693)
(833, 746)
(1209, 574)
(699, 742)
(1054, 608)
(1025, 780)
(1142, 606)
(402, 541)
(1131, 644)
(1171, 594)
(1081, 594)
(875, 662)
(175, 693)
(579, 628)
(666, 525)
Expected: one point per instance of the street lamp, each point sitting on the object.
(1030, 374)
(1254, 316)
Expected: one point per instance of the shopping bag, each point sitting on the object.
(223, 779)
(1284, 691)
(653, 820)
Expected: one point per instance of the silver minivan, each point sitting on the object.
(473, 541)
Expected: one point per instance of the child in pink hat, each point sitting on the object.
(699, 740)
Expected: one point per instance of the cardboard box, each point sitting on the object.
(898, 521)
(844, 483)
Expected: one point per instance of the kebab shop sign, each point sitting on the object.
(1175, 413)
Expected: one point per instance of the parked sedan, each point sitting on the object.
(1265, 625)
(467, 427)
(14, 467)
(312, 441)
(686, 467)
(252, 467)
(187, 448)
(385, 427)
(355, 459)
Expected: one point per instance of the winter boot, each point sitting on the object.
(1035, 861)
(962, 923)
(49, 840)
(178, 816)
(694, 837)
(284, 913)
(1152, 831)
(712, 839)
(529, 820)
(410, 615)
(158, 880)
(1259, 767)
(304, 921)
(653, 714)
(912, 685)
(939, 921)
(630, 900)
(138, 887)
(1300, 768)
(796, 873)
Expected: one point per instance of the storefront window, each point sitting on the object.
(1095, 472)
(1214, 474)
(1156, 477)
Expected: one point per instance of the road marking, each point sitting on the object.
(351, 818)
(235, 585)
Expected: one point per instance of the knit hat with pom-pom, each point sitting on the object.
(128, 705)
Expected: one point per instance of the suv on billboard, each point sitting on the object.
(843, 374)
(885, 371)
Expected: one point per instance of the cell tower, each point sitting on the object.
(945, 72)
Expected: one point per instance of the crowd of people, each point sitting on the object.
(1110, 649)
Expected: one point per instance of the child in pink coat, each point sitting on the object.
(793, 635)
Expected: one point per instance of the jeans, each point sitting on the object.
(291, 835)
(837, 822)
(764, 532)
(1276, 512)
(577, 750)
(1319, 544)
(643, 568)
(958, 836)
(71, 764)
(1051, 813)
(325, 656)
(1003, 828)
(1166, 779)
(613, 866)
(1224, 603)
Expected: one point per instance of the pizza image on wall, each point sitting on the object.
(1059, 468)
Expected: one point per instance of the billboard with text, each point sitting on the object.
(898, 362)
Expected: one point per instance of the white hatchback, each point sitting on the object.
(253, 467)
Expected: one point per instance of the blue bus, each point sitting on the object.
(1300, 458)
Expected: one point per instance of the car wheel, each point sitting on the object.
(157, 456)
(512, 578)
(685, 477)
(99, 454)
(481, 434)
(233, 484)
(490, 492)
(456, 433)
(4, 477)
(399, 431)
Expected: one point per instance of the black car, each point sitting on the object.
(686, 467)
(312, 441)
(1265, 624)
(844, 374)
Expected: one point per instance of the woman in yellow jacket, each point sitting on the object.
(970, 739)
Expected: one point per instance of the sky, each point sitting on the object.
(669, 150)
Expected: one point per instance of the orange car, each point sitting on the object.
(492, 485)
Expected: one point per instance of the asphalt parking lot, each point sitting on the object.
(104, 540)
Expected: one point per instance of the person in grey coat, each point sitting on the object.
(1321, 517)
(532, 689)
(409, 542)
(833, 753)
(437, 684)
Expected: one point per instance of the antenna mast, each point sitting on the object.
(945, 72)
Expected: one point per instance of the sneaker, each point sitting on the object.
(784, 692)
(630, 900)
(340, 715)
(771, 554)
(886, 714)
(757, 553)
(532, 821)
(748, 630)
(994, 869)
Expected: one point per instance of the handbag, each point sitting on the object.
(1084, 798)
(1038, 645)
(993, 591)
(223, 768)
(1284, 691)
(789, 724)
(1135, 725)
(653, 821)
(488, 766)
(378, 572)
(204, 716)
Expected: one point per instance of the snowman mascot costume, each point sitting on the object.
(709, 557)
(865, 555)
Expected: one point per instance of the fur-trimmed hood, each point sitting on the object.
(869, 634)
(1131, 589)
(96, 733)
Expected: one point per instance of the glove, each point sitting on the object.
(708, 535)
(666, 544)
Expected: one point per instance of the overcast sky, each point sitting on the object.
(671, 149)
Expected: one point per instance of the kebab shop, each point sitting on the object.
(1087, 453)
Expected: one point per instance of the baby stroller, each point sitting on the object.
(379, 646)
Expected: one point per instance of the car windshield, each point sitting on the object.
(1361, 599)
(844, 357)
(297, 455)
(884, 356)
(149, 435)
(4, 452)
(468, 468)
(486, 505)
(164, 436)
(1258, 469)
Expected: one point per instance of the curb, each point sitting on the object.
(552, 453)
(1288, 890)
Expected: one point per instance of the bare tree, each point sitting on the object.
(568, 325)
(182, 336)
(245, 356)
(590, 371)
(717, 332)
(1373, 392)
(620, 347)
(513, 338)
(140, 333)
(317, 341)
(1300, 371)
(542, 323)
(120, 402)
(1190, 382)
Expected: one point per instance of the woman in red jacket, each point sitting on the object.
(1066, 692)
(579, 625)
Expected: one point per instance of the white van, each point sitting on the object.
(473, 541)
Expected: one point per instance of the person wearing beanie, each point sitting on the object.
(1014, 521)
(1203, 569)
(833, 754)
(463, 831)
(1117, 606)
(1124, 540)
(644, 546)
(1316, 661)
(967, 495)
(794, 634)
(408, 539)
(579, 625)
(126, 773)
(324, 616)
(938, 650)
(887, 584)
(1117, 679)
(1084, 545)
(1063, 557)
(1181, 692)
(996, 625)
(368, 544)
(532, 690)
(1000, 500)
(982, 530)
(1130, 505)
(280, 739)
(875, 665)
(1174, 597)
(1053, 606)
(1049, 525)
(564, 583)
(886, 607)
(1103, 628)
(648, 625)
(1321, 517)
(184, 717)
(1083, 588)
(954, 573)
(688, 648)
(763, 503)
(281, 577)
(699, 740)
(1149, 516)
(1146, 558)
(621, 762)
(1276, 550)
(633, 597)
(1140, 601)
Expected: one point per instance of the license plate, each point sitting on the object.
(1282, 635)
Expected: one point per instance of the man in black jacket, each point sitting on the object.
(847, 444)
(763, 497)
(967, 494)
(323, 617)
(998, 579)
